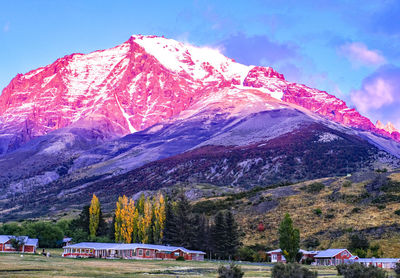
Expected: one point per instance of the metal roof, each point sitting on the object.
(130, 246)
(378, 260)
(329, 253)
(300, 250)
(32, 242)
(67, 239)
(5, 238)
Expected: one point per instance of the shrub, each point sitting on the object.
(311, 242)
(180, 258)
(357, 270)
(246, 254)
(292, 270)
(355, 210)
(318, 211)
(315, 187)
(309, 261)
(358, 241)
(384, 170)
(397, 270)
(330, 216)
(381, 206)
(347, 184)
(397, 212)
(230, 271)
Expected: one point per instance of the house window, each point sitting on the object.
(176, 254)
(147, 253)
(140, 252)
(8, 246)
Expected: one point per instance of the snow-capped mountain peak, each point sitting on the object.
(141, 82)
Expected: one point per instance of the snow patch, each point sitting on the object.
(126, 116)
(327, 137)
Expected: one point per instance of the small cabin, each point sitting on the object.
(66, 241)
(378, 262)
(333, 257)
(28, 245)
(278, 257)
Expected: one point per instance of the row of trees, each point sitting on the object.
(218, 236)
(142, 222)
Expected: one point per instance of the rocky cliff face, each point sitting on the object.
(139, 83)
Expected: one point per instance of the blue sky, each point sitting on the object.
(349, 48)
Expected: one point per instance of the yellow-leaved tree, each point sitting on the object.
(141, 223)
(159, 217)
(126, 217)
(94, 216)
(119, 211)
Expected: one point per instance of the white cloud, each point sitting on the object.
(359, 54)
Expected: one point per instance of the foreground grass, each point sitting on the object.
(13, 265)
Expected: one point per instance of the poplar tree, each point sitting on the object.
(289, 239)
(145, 227)
(158, 218)
(120, 224)
(94, 216)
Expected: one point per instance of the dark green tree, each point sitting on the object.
(219, 236)
(111, 230)
(358, 244)
(170, 228)
(11, 229)
(289, 239)
(17, 242)
(47, 233)
(184, 231)
(82, 222)
(232, 235)
(358, 241)
(102, 230)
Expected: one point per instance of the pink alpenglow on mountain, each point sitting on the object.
(389, 127)
(141, 82)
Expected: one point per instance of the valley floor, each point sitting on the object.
(13, 265)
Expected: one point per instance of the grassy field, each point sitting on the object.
(13, 265)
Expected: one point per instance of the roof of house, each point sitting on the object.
(32, 242)
(378, 260)
(329, 253)
(300, 250)
(5, 238)
(67, 239)
(130, 246)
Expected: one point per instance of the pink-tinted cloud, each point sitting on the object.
(379, 95)
(373, 95)
(359, 54)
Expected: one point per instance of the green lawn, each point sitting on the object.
(15, 265)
